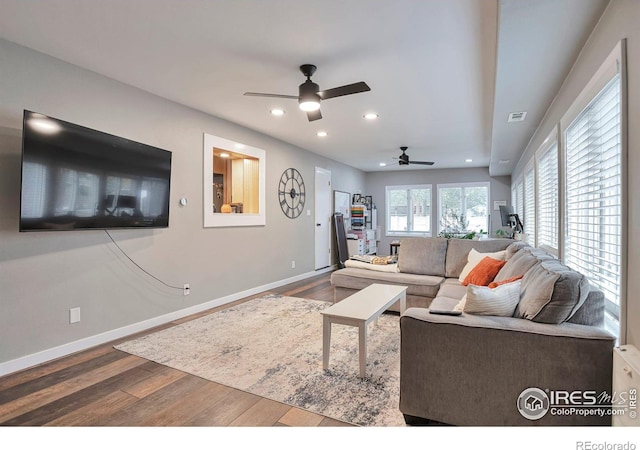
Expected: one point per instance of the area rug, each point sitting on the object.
(272, 347)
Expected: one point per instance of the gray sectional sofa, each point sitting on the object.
(471, 370)
(425, 265)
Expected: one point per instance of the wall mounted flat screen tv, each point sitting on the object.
(78, 178)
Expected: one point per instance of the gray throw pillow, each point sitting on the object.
(513, 248)
(551, 292)
(517, 265)
(422, 256)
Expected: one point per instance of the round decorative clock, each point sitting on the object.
(291, 193)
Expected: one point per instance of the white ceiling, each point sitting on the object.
(443, 74)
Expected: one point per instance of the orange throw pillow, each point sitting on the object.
(495, 284)
(484, 272)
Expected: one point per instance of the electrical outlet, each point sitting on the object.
(186, 290)
(293, 264)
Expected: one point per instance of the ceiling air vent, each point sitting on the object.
(517, 116)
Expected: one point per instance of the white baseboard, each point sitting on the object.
(34, 359)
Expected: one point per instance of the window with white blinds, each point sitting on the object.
(547, 192)
(518, 205)
(594, 192)
(530, 205)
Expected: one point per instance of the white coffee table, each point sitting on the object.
(358, 310)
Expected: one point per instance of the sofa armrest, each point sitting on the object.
(470, 370)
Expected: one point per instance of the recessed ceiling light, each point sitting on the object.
(468, 160)
(383, 164)
(322, 133)
(224, 155)
(504, 161)
(277, 112)
(371, 116)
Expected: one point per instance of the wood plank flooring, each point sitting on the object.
(102, 386)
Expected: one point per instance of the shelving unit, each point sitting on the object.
(363, 225)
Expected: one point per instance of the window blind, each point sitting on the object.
(594, 192)
(530, 205)
(519, 203)
(547, 191)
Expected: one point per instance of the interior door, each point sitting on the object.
(323, 218)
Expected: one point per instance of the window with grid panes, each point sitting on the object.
(408, 210)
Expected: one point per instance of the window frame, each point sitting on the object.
(476, 184)
(408, 187)
(613, 65)
(583, 222)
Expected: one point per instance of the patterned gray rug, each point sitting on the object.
(272, 347)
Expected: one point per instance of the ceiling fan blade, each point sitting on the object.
(314, 115)
(348, 89)
(424, 163)
(260, 94)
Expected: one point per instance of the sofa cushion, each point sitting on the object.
(484, 272)
(458, 252)
(551, 292)
(514, 247)
(485, 301)
(422, 256)
(518, 264)
(452, 288)
(420, 285)
(473, 259)
(592, 310)
(442, 303)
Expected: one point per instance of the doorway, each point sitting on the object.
(322, 218)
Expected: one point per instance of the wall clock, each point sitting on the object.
(291, 193)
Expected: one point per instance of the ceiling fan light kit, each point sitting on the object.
(310, 95)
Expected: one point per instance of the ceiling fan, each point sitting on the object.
(309, 93)
(403, 160)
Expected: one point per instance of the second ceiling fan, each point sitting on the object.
(310, 95)
(404, 160)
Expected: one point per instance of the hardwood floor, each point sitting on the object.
(106, 387)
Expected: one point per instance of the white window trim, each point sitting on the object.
(388, 233)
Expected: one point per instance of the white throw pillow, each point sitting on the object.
(475, 257)
(499, 301)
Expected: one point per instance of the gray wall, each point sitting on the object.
(43, 275)
(620, 20)
(377, 181)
